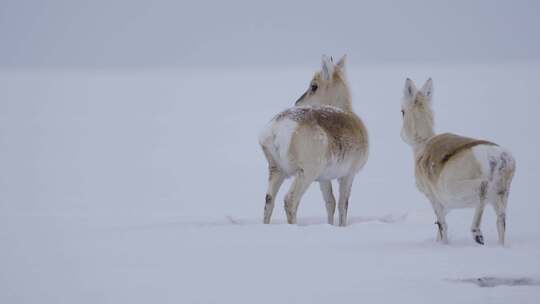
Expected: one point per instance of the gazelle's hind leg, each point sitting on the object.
(472, 190)
(475, 228)
(505, 171)
(500, 210)
(298, 188)
(499, 205)
(330, 201)
(345, 185)
(274, 183)
(275, 180)
(442, 227)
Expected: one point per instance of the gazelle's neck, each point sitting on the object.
(421, 127)
(420, 142)
(418, 148)
(342, 98)
(344, 104)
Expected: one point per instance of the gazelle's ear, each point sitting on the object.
(327, 68)
(427, 88)
(341, 62)
(410, 88)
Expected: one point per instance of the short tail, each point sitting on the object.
(498, 166)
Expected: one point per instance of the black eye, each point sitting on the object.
(402, 113)
(314, 87)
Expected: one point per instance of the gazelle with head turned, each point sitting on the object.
(320, 139)
(455, 171)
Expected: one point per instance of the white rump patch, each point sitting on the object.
(489, 158)
(276, 137)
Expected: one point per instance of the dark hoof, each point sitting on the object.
(479, 239)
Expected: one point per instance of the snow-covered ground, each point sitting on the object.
(147, 186)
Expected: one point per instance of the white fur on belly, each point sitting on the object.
(337, 169)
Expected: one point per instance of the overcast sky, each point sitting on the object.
(132, 33)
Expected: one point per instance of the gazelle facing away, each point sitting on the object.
(319, 139)
(455, 171)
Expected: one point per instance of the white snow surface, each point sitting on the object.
(147, 186)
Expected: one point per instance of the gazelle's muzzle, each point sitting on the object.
(300, 99)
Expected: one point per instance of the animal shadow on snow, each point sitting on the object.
(170, 222)
(311, 221)
(499, 281)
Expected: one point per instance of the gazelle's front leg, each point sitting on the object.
(330, 201)
(345, 185)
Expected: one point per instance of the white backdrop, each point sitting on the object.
(124, 33)
(130, 170)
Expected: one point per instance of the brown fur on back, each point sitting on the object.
(440, 149)
(344, 129)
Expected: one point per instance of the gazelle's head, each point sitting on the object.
(418, 122)
(328, 86)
